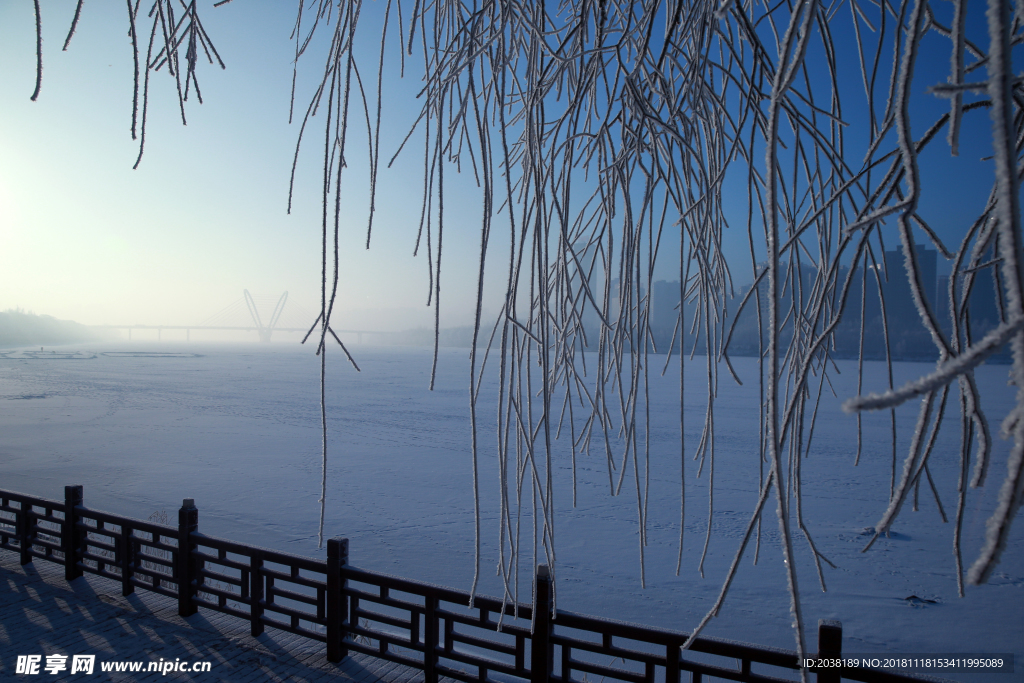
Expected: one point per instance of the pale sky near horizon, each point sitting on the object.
(84, 237)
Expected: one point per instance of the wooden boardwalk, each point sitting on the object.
(42, 614)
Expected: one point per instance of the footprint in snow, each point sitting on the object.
(915, 601)
(870, 531)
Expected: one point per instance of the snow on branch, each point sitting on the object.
(943, 375)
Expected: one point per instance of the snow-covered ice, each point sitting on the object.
(237, 428)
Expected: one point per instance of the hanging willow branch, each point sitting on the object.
(599, 128)
(596, 129)
(173, 39)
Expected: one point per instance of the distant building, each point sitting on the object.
(899, 301)
(907, 337)
(983, 302)
(664, 305)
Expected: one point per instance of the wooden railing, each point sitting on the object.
(417, 624)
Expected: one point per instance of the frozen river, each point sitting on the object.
(237, 428)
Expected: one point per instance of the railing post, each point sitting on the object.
(830, 646)
(430, 639)
(188, 522)
(337, 600)
(256, 593)
(541, 653)
(71, 535)
(672, 663)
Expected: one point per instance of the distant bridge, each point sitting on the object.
(243, 315)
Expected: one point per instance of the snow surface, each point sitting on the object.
(236, 427)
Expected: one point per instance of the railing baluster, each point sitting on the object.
(100, 526)
(414, 626)
(48, 551)
(156, 580)
(23, 526)
(4, 502)
(126, 552)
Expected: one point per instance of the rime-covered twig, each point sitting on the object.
(602, 139)
(1007, 214)
(39, 51)
(942, 376)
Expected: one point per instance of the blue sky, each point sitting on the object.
(83, 236)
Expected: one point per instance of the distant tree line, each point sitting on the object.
(22, 328)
